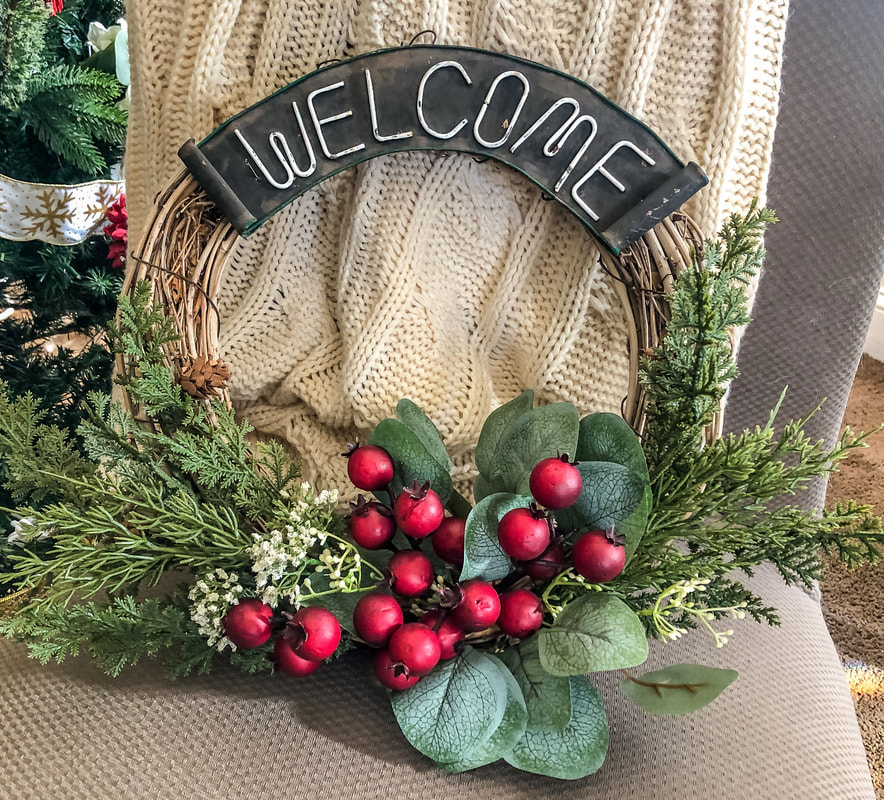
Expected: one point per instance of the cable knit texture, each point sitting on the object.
(431, 276)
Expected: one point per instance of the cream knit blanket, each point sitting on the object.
(431, 276)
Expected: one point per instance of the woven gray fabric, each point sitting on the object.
(785, 730)
(825, 258)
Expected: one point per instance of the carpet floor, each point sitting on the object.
(853, 601)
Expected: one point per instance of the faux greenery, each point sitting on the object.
(187, 493)
(59, 124)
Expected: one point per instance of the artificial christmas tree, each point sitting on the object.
(61, 122)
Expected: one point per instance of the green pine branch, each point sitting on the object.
(687, 375)
(116, 635)
(70, 108)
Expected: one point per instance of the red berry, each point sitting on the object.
(448, 540)
(599, 556)
(371, 524)
(449, 633)
(548, 564)
(411, 573)
(369, 467)
(555, 483)
(415, 646)
(521, 613)
(523, 533)
(418, 510)
(479, 607)
(391, 674)
(313, 633)
(247, 624)
(289, 662)
(375, 618)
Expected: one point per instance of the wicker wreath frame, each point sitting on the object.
(188, 242)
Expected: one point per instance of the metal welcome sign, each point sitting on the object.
(612, 172)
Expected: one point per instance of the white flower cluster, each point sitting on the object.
(26, 530)
(283, 551)
(210, 598)
(343, 565)
(675, 597)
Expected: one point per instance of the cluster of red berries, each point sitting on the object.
(409, 650)
(528, 535)
(305, 639)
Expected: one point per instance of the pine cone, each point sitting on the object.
(204, 377)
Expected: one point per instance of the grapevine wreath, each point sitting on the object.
(487, 610)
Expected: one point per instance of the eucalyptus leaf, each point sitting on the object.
(595, 632)
(510, 730)
(540, 433)
(483, 556)
(679, 689)
(411, 459)
(635, 525)
(574, 752)
(547, 697)
(610, 496)
(481, 488)
(495, 424)
(410, 415)
(608, 437)
(455, 709)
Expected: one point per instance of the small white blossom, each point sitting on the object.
(210, 599)
(26, 530)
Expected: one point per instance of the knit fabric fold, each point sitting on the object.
(429, 275)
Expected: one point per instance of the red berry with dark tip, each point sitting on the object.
(247, 624)
(549, 564)
(313, 633)
(451, 636)
(391, 674)
(369, 467)
(375, 618)
(418, 510)
(411, 573)
(523, 533)
(448, 540)
(289, 662)
(555, 483)
(371, 524)
(599, 556)
(521, 613)
(479, 607)
(415, 646)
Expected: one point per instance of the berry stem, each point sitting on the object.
(510, 579)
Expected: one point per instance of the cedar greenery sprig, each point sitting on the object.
(122, 633)
(130, 502)
(687, 376)
(715, 509)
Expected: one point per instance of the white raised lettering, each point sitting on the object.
(372, 109)
(318, 123)
(311, 155)
(548, 148)
(600, 167)
(583, 148)
(290, 177)
(420, 99)
(511, 121)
